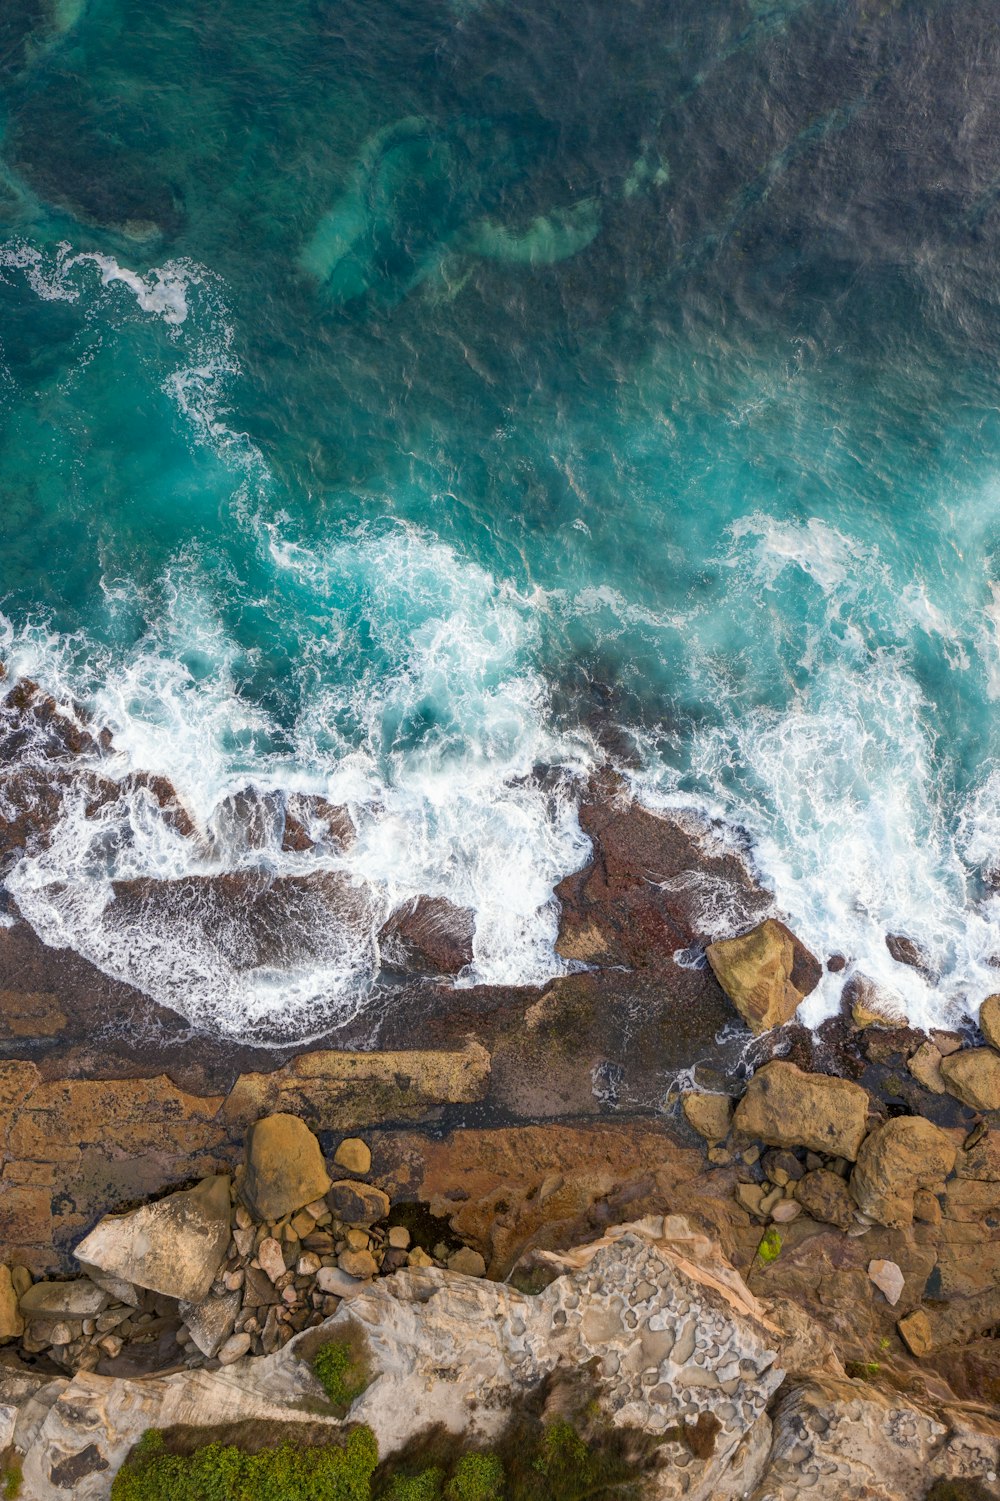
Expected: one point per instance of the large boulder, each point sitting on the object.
(894, 1161)
(785, 1107)
(428, 935)
(973, 1076)
(765, 973)
(989, 1020)
(174, 1246)
(284, 1167)
(356, 1203)
(709, 1114)
(211, 1323)
(824, 1196)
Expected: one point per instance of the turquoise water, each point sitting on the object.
(397, 398)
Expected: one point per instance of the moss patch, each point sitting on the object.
(343, 1367)
(12, 1482)
(770, 1246)
(335, 1472)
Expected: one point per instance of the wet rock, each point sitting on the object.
(873, 1005)
(174, 1246)
(709, 1114)
(356, 1203)
(888, 1279)
(911, 953)
(334, 1090)
(766, 973)
(989, 1020)
(653, 884)
(428, 936)
(354, 1156)
(925, 1066)
(899, 1157)
(30, 1014)
(788, 1108)
(973, 1076)
(284, 1167)
(211, 1323)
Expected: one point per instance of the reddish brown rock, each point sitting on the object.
(428, 936)
(907, 951)
(766, 973)
(898, 1158)
(825, 1197)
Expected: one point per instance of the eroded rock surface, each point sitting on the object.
(174, 1246)
(766, 973)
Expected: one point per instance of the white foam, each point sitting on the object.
(163, 292)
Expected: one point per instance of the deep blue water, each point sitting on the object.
(395, 398)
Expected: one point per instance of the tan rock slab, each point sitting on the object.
(973, 1076)
(284, 1167)
(336, 1091)
(173, 1246)
(888, 1278)
(785, 1107)
(766, 973)
(708, 1114)
(899, 1157)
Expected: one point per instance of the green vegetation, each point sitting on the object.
(426, 1486)
(342, 1369)
(770, 1245)
(477, 1477)
(12, 1482)
(862, 1370)
(217, 1472)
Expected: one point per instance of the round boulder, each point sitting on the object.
(284, 1167)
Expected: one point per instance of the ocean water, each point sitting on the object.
(397, 398)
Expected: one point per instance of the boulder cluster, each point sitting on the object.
(228, 1268)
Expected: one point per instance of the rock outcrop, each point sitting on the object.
(897, 1159)
(785, 1107)
(766, 973)
(174, 1246)
(973, 1075)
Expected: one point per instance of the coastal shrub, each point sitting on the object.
(477, 1477)
(218, 1472)
(342, 1369)
(426, 1486)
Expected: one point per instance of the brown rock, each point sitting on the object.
(709, 1114)
(284, 1167)
(359, 1264)
(928, 1329)
(899, 1157)
(468, 1262)
(785, 1107)
(11, 1322)
(973, 1076)
(824, 1196)
(989, 1020)
(925, 1066)
(356, 1203)
(926, 1207)
(765, 973)
(982, 1159)
(428, 936)
(907, 951)
(32, 1014)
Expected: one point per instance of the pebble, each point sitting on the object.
(399, 1237)
(468, 1262)
(888, 1278)
(308, 1264)
(271, 1258)
(354, 1156)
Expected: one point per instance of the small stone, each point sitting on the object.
(770, 1200)
(751, 1154)
(271, 1258)
(236, 1346)
(284, 1167)
(468, 1262)
(360, 1264)
(354, 1156)
(418, 1257)
(926, 1207)
(233, 1281)
(336, 1283)
(719, 1156)
(60, 1334)
(110, 1345)
(302, 1224)
(399, 1237)
(782, 1166)
(244, 1219)
(357, 1240)
(824, 1196)
(79, 1298)
(888, 1279)
(786, 1211)
(308, 1264)
(244, 1242)
(357, 1204)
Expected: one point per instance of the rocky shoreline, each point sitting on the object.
(664, 1119)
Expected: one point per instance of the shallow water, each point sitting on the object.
(395, 398)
